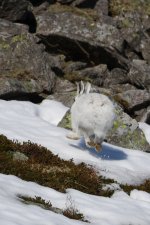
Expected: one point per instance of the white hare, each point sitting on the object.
(92, 116)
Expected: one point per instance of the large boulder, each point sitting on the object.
(139, 74)
(134, 100)
(24, 65)
(126, 132)
(75, 33)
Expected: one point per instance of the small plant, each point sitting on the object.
(145, 186)
(71, 211)
(36, 200)
(117, 7)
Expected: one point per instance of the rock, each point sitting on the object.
(133, 27)
(126, 133)
(102, 6)
(117, 88)
(96, 75)
(133, 100)
(139, 74)
(64, 92)
(79, 37)
(18, 11)
(71, 66)
(65, 1)
(145, 49)
(116, 76)
(19, 156)
(14, 10)
(24, 66)
(146, 116)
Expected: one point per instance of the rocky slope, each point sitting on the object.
(46, 46)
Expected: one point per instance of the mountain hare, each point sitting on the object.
(92, 116)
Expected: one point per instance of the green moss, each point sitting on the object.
(4, 45)
(89, 14)
(18, 38)
(117, 7)
(66, 121)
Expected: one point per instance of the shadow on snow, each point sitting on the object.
(108, 152)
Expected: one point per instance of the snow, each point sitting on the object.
(146, 130)
(38, 123)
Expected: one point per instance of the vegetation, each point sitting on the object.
(45, 168)
(71, 211)
(142, 187)
(37, 200)
(48, 169)
(117, 7)
(89, 14)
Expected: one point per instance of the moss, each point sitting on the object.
(48, 169)
(89, 14)
(18, 38)
(117, 7)
(66, 121)
(21, 74)
(4, 44)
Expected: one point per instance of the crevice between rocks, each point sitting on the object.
(30, 20)
(75, 50)
(32, 97)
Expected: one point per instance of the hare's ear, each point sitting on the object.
(81, 87)
(87, 88)
(78, 88)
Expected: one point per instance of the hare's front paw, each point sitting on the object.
(98, 147)
(73, 135)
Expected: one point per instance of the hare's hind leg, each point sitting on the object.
(98, 143)
(88, 141)
(73, 135)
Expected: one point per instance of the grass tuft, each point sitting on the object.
(71, 211)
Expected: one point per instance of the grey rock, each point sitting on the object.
(139, 74)
(133, 100)
(64, 92)
(14, 10)
(126, 133)
(78, 36)
(19, 156)
(24, 66)
(96, 75)
(116, 76)
(145, 49)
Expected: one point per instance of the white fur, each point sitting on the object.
(92, 116)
